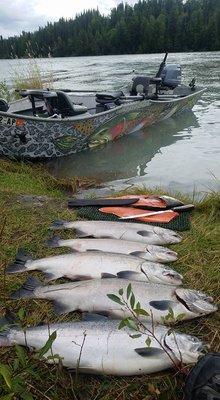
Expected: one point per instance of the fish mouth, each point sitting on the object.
(173, 277)
(187, 353)
(195, 301)
(168, 256)
(163, 254)
(175, 238)
(169, 237)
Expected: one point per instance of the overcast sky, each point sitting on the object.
(27, 15)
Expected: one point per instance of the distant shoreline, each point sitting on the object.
(147, 27)
(113, 55)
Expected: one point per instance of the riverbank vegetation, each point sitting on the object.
(29, 200)
(28, 76)
(149, 26)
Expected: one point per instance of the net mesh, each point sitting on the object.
(180, 223)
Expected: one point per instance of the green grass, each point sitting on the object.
(22, 225)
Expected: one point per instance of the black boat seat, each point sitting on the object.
(141, 84)
(66, 107)
(108, 97)
(57, 102)
(4, 105)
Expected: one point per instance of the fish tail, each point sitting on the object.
(4, 339)
(27, 289)
(5, 324)
(53, 241)
(19, 264)
(58, 224)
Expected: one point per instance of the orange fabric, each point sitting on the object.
(167, 216)
(144, 200)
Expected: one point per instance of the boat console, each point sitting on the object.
(109, 97)
(144, 87)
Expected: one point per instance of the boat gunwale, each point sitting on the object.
(87, 117)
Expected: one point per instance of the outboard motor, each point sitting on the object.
(171, 75)
(4, 105)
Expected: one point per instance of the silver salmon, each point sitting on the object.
(121, 230)
(98, 347)
(96, 264)
(149, 252)
(92, 296)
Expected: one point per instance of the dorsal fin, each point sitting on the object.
(93, 317)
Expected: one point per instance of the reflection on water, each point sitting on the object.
(129, 156)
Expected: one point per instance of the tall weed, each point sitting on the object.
(4, 91)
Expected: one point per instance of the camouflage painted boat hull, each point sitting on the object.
(27, 137)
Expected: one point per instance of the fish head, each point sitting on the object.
(185, 348)
(167, 235)
(162, 254)
(195, 301)
(159, 273)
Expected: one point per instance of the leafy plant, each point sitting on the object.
(127, 299)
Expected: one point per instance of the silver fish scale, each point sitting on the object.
(121, 230)
(99, 347)
(95, 264)
(148, 252)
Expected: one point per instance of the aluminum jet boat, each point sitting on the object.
(53, 123)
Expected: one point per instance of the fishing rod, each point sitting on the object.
(162, 65)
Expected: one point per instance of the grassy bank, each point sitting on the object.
(24, 221)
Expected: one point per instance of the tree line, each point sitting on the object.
(147, 27)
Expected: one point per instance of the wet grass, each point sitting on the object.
(25, 224)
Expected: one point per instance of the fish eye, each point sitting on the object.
(171, 276)
(194, 339)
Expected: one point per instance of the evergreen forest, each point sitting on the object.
(149, 26)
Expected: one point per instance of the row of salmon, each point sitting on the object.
(119, 253)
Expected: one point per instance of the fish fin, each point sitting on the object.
(60, 308)
(79, 233)
(149, 351)
(19, 264)
(105, 275)
(27, 289)
(8, 319)
(53, 241)
(41, 323)
(128, 275)
(82, 368)
(140, 254)
(106, 237)
(99, 251)
(93, 317)
(144, 233)
(58, 224)
(162, 305)
(50, 276)
(171, 201)
(71, 370)
(78, 278)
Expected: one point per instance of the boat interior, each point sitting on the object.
(71, 104)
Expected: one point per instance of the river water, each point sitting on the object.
(181, 153)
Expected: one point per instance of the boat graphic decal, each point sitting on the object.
(7, 120)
